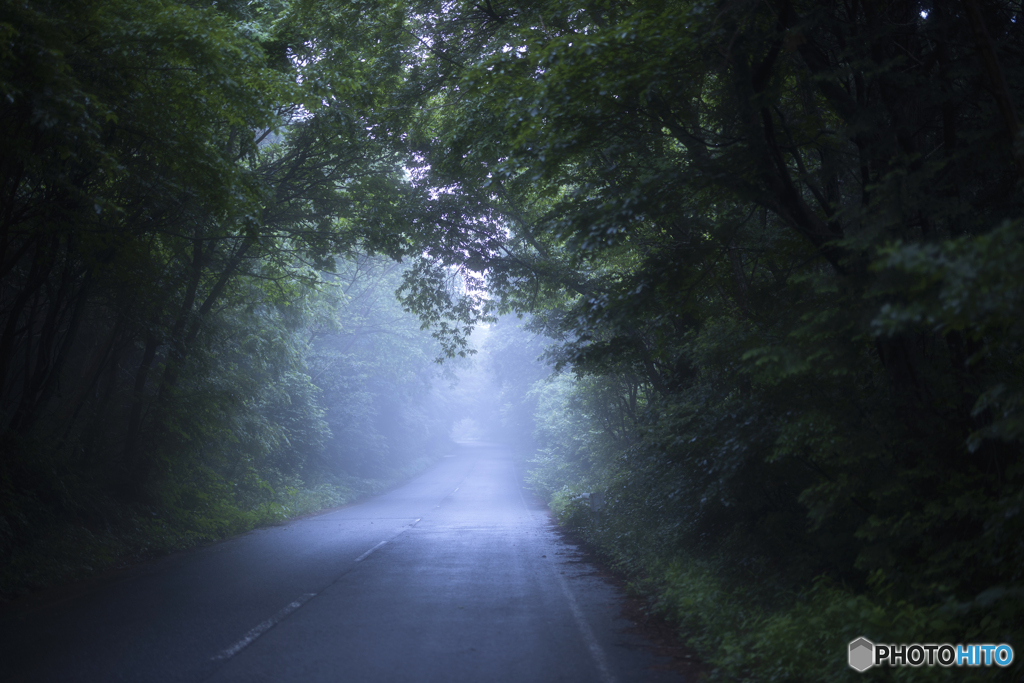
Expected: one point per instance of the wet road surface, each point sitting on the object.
(455, 576)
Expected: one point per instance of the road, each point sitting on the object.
(455, 576)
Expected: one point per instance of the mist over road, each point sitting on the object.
(455, 576)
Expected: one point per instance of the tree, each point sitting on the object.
(782, 219)
(175, 178)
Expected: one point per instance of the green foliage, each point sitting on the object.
(969, 287)
(775, 247)
(187, 317)
(788, 300)
(804, 637)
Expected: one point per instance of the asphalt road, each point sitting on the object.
(455, 576)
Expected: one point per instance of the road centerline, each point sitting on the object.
(262, 628)
(367, 553)
(268, 624)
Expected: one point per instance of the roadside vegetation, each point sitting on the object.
(772, 251)
(774, 248)
(199, 332)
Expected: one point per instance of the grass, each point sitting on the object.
(105, 535)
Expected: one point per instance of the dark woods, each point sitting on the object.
(775, 246)
(196, 335)
(778, 245)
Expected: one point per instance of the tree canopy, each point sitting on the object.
(773, 247)
(774, 243)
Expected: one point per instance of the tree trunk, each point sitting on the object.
(132, 478)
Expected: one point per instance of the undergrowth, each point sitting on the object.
(103, 534)
(749, 631)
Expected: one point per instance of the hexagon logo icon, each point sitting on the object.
(862, 654)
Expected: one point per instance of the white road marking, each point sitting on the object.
(367, 553)
(386, 540)
(263, 628)
(588, 635)
(600, 660)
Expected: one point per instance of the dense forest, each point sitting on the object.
(769, 250)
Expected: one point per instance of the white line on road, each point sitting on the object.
(588, 635)
(270, 623)
(262, 628)
(367, 553)
(265, 626)
(386, 540)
